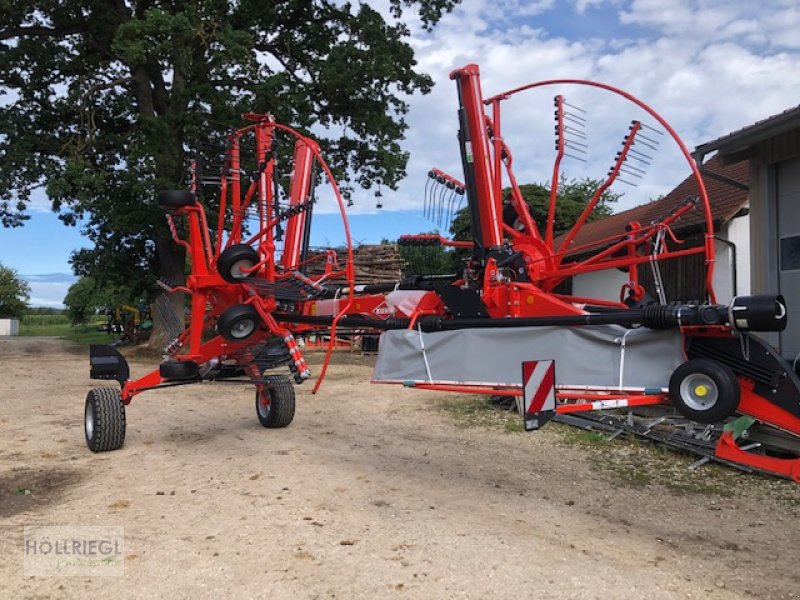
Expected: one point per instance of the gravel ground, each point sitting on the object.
(373, 492)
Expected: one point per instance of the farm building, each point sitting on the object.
(771, 151)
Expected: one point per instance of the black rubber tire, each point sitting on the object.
(233, 324)
(179, 370)
(280, 411)
(104, 420)
(510, 217)
(232, 259)
(172, 199)
(716, 379)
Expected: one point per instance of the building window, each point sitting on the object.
(790, 253)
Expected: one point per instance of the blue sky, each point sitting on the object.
(708, 66)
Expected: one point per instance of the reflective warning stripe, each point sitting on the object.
(539, 389)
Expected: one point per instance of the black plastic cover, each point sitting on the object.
(105, 362)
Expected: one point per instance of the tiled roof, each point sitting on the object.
(725, 199)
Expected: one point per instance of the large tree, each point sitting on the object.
(104, 98)
(14, 294)
(85, 297)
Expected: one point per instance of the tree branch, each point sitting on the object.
(105, 85)
(40, 31)
(283, 62)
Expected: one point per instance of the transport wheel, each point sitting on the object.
(279, 393)
(178, 370)
(238, 322)
(232, 260)
(104, 420)
(704, 390)
(511, 219)
(172, 199)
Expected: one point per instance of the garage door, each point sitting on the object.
(788, 189)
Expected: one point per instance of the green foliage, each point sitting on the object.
(14, 294)
(80, 300)
(32, 319)
(573, 195)
(43, 310)
(85, 296)
(107, 99)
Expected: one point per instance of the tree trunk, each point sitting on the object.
(168, 309)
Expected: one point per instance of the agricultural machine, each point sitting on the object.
(131, 323)
(499, 327)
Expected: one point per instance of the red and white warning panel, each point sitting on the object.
(538, 392)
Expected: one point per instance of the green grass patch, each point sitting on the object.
(475, 411)
(581, 437)
(631, 463)
(58, 326)
(84, 335)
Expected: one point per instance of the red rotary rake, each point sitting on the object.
(236, 285)
(474, 332)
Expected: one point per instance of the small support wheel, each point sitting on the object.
(238, 322)
(275, 402)
(173, 199)
(511, 218)
(104, 420)
(704, 390)
(233, 260)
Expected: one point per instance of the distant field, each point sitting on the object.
(58, 325)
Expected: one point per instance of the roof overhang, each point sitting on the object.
(739, 145)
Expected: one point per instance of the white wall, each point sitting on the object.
(604, 285)
(9, 327)
(737, 231)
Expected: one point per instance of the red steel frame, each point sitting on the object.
(210, 295)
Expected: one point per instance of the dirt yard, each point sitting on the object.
(373, 492)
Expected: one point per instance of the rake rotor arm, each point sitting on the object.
(709, 220)
(603, 259)
(623, 154)
(551, 211)
(517, 200)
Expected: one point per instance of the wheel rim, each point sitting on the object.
(263, 411)
(699, 392)
(243, 328)
(236, 269)
(89, 421)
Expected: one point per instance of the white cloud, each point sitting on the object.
(709, 67)
(528, 8)
(49, 289)
(719, 20)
